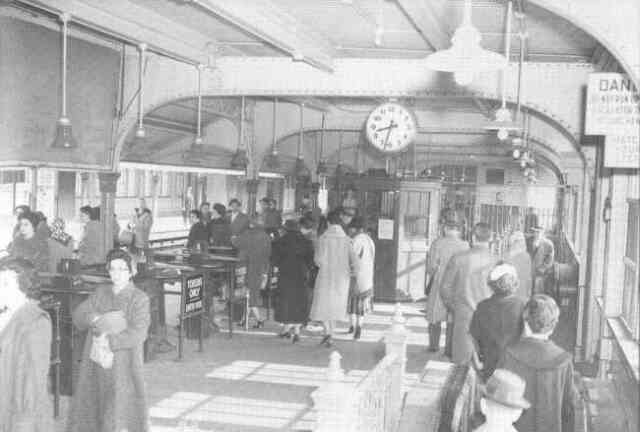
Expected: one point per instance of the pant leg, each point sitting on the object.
(434, 336)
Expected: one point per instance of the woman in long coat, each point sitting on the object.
(25, 345)
(113, 399)
(293, 255)
(521, 260)
(254, 249)
(335, 258)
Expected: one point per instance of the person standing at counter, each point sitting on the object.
(28, 245)
(199, 234)
(19, 210)
(272, 218)
(219, 230)
(25, 348)
(254, 249)
(110, 395)
(142, 228)
(238, 221)
(89, 247)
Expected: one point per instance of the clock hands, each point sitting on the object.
(390, 127)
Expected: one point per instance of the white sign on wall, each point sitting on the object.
(613, 110)
(385, 229)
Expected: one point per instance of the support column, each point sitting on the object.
(155, 183)
(252, 196)
(108, 184)
(33, 195)
(84, 188)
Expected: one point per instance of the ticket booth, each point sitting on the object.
(402, 218)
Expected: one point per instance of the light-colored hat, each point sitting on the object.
(506, 388)
(501, 270)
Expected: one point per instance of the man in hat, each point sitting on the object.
(502, 402)
(545, 367)
(438, 257)
(464, 285)
(542, 265)
(272, 218)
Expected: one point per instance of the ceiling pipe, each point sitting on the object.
(140, 132)
(64, 137)
(272, 160)
(198, 140)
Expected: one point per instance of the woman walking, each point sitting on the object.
(293, 255)
(335, 259)
(362, 283)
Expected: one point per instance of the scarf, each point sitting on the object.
(57, 232)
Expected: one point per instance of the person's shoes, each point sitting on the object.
(296, 338)
(258, 324)
(285, 334)
(356, 334)
(350, 330)
(325, 339)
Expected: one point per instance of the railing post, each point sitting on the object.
(334, 401)
(396, 343)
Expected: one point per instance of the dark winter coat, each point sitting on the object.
(293, 255)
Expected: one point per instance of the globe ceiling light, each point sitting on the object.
(466, 57)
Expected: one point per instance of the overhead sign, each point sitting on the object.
(613, 110)
(613, 105)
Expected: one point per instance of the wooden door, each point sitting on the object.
(417, 227)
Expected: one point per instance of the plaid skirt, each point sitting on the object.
(359, 303)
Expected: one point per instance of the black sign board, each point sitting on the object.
(192, 296)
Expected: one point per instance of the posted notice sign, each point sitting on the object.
(193, 295)
(613, 110)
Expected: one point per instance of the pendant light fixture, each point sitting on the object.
(141, 133)
(272, 160)
(64, 136)
(240, 159)
(466, 57)
(197, 142)
(503, 122)
(301, 172)
(322, 165)
(340, 170)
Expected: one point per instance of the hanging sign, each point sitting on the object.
(622, 151)
(613, 105)
(385, 229)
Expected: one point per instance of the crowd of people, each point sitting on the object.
(499, 313)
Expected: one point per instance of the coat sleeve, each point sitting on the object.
(432, 260)
(86, 312)
(569, 400)
(319, 256)
(447, 286)
(34, 382)
(137, 327)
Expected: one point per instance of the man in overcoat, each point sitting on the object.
(464, 285)
(438, 257)
(543, 259)
(545, 367)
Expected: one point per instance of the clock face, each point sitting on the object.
(391, 127)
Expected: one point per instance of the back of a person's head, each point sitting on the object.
(482, 232)
(541, 314)
(503, 279)
(334, 217)
(306, 222)
(357, 223)
(25, 274)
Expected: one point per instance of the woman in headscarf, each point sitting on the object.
(293, 255)
(25, 345)
(110, 395)
(60, 244)
(521, 260)
(89, 247)
(28, 245)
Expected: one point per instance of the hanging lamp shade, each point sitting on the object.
(141, 133)
(301, 172)
(64, 135)
(466, 57)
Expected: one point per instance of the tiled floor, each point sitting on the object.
(258, 382)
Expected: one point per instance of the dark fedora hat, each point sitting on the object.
(506, 388)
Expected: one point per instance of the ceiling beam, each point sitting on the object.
(428, 19)
(267, 22)
(125, 21)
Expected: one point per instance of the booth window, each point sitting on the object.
(630, 301)
(416, 215)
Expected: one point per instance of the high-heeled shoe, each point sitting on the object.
(350, 330)
(325, 339)
(296, 338)
(285, 334)
(258, 324)
(356, 335)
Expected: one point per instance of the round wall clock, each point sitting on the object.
(391, 127)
